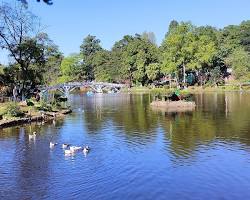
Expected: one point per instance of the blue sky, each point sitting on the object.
(69, 21)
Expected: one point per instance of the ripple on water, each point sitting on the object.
(135, 153)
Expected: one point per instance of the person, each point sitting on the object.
(175, 96)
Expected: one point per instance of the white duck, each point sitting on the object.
(86, 149)
(64, 146)
(75, 148)
(33, 136)
(68, 152)
(52, 145)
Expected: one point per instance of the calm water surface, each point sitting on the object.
(137, 152)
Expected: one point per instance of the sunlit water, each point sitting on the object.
(136, 152)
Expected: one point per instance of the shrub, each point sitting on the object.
(45, 106)
(13, 109)
(30, 102)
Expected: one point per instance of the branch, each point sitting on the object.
(49, 2)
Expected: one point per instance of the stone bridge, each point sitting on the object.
(98, 87)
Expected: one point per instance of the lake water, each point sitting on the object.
(136, 152)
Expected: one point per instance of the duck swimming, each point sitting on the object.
(75, 148)
(86, 149)
(52, 145)
(33, 136)
(64, 146)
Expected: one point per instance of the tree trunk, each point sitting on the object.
(184, 74)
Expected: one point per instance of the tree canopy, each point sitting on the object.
(203, 53)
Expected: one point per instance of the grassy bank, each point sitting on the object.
(13, 113)
(191, 89)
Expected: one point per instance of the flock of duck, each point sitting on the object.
(68, 149)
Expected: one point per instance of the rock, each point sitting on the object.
(174, 106)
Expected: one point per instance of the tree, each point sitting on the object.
(123, 43)
(139, 53)
(49, 2)
(149, 36)
(239, 60)
(120, 73)
(188, 48)
(17, 28)
(153, 71)
(34, 57)
(89, 47)
(53, 59)
(71, 69)
(172, 26)
(245, 35)
(179, 48)
(103, 65)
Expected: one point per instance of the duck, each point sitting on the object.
(52, 145)
(75, 148)
(64, 146)
(33, 136)
(68, 152)
(86, 149)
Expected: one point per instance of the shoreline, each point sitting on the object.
(48, 116)
(190, 89)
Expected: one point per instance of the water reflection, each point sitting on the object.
(134, 148)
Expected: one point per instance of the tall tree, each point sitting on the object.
(245, 35)
(88, 48)
(31, 52)
(239, 60)
(187, 48)
(178, 49)
(71, 69)
(139, 54)
(149, 36)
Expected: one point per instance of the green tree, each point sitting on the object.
(245, 35)
(239, 60)
(153, 71)
(88, 48)
(187, 48)
(28, 50)
(149, 36)
(71, 69)
(138, 55)
(179, 48)
(103, 66)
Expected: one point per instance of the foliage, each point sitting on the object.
(32, 54)
(239, 60)
(153, 71)
(44, 106)
(185, 46)
(88, 48)
(137, 56)
(13, 110)
(49, 2)
(71, 68)
(205, 52)
(149, 36)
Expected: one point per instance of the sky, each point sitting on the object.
(68, 21)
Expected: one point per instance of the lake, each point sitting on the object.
(136, 152)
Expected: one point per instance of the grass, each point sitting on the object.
(190, 89)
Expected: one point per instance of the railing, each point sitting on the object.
(83, 84)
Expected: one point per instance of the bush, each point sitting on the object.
(29, 102)
(13, 110)
(44, 106)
